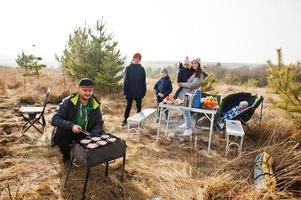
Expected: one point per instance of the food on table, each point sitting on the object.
(169, 100)
(179, 101)
(95, 139)
(91, 145)
(209, 102)
(85, 141)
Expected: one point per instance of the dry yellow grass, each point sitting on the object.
(173, 169)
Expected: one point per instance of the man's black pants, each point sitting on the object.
(129, 106)
(63, 139)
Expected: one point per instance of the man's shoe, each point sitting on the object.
(187, 132)
(66, 159)
(124, 122)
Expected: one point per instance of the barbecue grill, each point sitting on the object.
(104, 153)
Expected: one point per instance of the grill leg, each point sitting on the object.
(86, 181)
(69, 169)
(107, 168)
(123, 164)
(260, 115)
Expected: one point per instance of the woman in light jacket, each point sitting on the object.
(192, 84)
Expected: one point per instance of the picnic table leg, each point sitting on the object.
(211, 130)
(159, 125)
(167, 123)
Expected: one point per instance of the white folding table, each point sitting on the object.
(139, 117)
(234, 128)
(207, 112)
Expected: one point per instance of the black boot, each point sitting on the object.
(124, 122)
(66, 158)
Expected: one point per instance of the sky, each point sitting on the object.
(243, 31)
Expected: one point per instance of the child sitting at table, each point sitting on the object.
(163, 88)
(231, 113)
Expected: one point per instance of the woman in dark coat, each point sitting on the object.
(134, 85)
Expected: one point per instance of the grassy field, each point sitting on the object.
(171, 169)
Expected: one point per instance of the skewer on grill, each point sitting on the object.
(88, 133)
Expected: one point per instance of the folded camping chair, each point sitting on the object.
(34, 114)
(204, 95)
(233, 100)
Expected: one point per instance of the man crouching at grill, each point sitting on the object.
(77, 112)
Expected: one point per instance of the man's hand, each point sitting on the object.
(180, 84)
(76, 129)
(161, 95)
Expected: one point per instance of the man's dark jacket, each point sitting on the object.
(64, 116)
(134, 81)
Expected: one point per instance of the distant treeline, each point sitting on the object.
(253, 76)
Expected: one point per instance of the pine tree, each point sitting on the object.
(30, 63)
(285, 80)
(208, 83)
(92, 53)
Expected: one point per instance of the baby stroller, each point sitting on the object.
(232, 100)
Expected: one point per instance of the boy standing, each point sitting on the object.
(163, 88)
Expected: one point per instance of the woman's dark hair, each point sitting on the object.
(198, 71)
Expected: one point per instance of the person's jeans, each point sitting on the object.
(129, 106)
(187, 119)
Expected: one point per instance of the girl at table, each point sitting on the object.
(192, 84)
